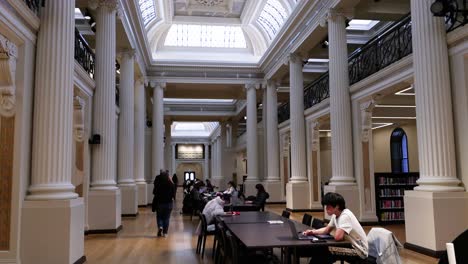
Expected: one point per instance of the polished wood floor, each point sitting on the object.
(138, 243)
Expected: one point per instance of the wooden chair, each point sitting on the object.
(286, 214)
(307, 219)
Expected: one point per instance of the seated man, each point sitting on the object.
(344, 226)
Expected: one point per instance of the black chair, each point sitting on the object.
(222, 248)
(203, 234)
(317, 223)
(286, 214)
(307, 219)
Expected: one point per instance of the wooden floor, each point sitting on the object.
(138, 243)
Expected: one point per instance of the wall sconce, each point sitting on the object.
(95, 140)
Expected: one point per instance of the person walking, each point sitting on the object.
(175, 180)
(163, 192)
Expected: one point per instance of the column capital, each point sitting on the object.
(156, 84)
(272, 83)
(126, 54)
(334, 13)
(140, 81)
(112, 5)
(366, 118)
(293, 58)
(252, 85)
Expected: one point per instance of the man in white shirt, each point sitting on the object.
(344, 226)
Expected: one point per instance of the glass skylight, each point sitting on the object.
(148, 12)
(272, 17)
(193, 129)
(183, 100)
(185, 35)
(361, 24)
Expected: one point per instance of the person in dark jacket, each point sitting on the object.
(175, 180)
(163, 192)
(261, 197)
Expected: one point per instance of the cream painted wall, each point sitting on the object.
(381, 140)
(188, 166)
(325, 159)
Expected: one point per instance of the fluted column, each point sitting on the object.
(252, 144)
(433, 101)
(207, 164)
(272, 133)
(167, 145)
(158, 127)
(340, 102)
(140, 125)
(126, 120)
(53, 105)
(297, 122)
(104, 155)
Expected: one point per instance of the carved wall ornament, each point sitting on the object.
(110, 4)
(8, 55)
(286, 143)
(78, 119)
(366, 118)
(209, 2)
(315, 135)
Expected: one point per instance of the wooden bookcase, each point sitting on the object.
(389, 192)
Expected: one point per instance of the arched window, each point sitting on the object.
(399, 151)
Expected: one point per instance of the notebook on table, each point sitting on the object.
(299, 235)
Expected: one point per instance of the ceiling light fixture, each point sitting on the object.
(209, 2)
(396, 106)
(403, 92)
(380, 125)
(393, 117)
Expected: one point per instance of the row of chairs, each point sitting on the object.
(307, 220)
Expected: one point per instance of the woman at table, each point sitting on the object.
(231, 190)
(261, 197)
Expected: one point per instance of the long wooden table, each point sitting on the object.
(253, 230)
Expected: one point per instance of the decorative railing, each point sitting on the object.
(283, 112)
(84, 55)
(34, 5)
(457, 15)
(381, 51)
(317, 91)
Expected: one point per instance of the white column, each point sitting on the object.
(167, 145)
(139, 147)
(207, 164)
(126, 120)
(252, 141)
(272, 181)
(272, 133)
(125, 145)
(51, 199)
(264, 132)
(438, 191)
(297, 122)
(158, 127)
(104, 196)
(340, 102)
(297, 188)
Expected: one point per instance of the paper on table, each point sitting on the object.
(275, 221)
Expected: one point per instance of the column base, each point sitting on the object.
(274, 189)
(149, 193)
(129, 200)
(52, 231)
(142, 193)
(104, 210)
(249, 188)
(296, 196)
(434, 218)
(350, 194)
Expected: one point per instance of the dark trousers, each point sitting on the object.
(163, 215)
(321, 255)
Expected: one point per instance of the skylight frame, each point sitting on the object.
(362, 24)
(147, 11)
(205, 36)
(272, 18)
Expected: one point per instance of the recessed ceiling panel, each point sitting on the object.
(209, 8)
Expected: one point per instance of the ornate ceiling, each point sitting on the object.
(209, 8)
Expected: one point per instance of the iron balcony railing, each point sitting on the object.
(34, 5)
(457, 15)
(84, 55)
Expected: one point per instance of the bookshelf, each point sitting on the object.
(389, 192)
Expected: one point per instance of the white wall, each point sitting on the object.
(381, 140)
(325, 158)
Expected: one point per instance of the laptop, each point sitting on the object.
(299, 235)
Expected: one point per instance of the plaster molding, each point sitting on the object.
(155, 84)
(78, 119)
(112, 5)
(254, 85)
(126, 54)
(8, 55)
(334, 13)
(315, 127)
(366, 118)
